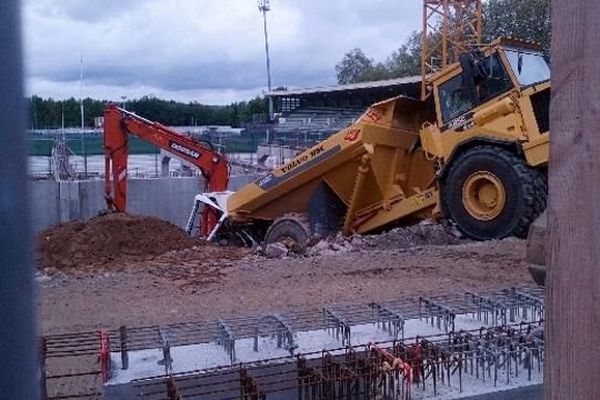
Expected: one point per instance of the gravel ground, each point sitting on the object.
(210, 282)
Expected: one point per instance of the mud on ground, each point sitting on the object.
(207, 282)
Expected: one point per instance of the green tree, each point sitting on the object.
(355, 67)
(47, 113)
(406, 61)
(522, 19)
(244, 112)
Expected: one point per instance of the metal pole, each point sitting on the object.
(264, 10)
(124, 353)
(43, 375)
(264, 6)
(33, 98)
(83, 149)
(19, 372)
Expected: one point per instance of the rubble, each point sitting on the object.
(338, 244)
(425, 233)
(276, 250)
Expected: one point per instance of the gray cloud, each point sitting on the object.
(179, 48)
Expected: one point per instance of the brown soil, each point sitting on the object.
(211, 282)
(108, 241)
(136, 270)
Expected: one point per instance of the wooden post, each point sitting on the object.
(572, 369)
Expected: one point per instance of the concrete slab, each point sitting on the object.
(148, 363)
(44, 204)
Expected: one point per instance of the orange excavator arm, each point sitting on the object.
(119, 124)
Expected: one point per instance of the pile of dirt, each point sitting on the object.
(108, 239)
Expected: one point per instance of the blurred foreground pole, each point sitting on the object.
(573, 293)
(18, 351)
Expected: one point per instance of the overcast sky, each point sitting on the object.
(201, 50)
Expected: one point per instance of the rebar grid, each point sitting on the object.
(182, 334)
(396, 369)
(525, 303)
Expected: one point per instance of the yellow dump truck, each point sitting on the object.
(475, 150)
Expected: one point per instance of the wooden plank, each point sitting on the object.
(573, 292)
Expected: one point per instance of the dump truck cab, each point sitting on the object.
(495, 99)
(499, 93)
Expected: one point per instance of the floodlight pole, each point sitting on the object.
(264, 6)
(83, 149)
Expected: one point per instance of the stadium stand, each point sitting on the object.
(307, 115)
(317, 119)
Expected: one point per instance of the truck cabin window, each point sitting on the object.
(492, 81)
(454, 98)
(529, 67)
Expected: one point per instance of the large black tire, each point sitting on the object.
(525, 193)
(291, 230)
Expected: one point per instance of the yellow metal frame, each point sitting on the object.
(450, 28)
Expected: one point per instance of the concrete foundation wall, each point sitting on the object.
(170, 199)
(59, 202)
(45, 207)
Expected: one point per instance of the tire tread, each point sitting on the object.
(532, 181)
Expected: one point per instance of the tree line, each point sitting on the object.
(523, 19)
(49, 113)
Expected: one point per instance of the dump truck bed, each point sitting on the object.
(374, 171)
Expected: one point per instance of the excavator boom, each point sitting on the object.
(120, 123)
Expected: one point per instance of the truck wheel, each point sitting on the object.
(291, 230)
(491, 194)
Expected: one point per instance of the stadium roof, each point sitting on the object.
(346, 88)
